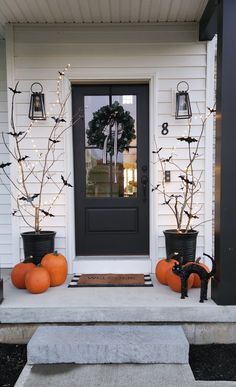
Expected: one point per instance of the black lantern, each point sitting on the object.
(183, 107)
(37, 104)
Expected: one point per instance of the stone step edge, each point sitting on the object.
(115, 344)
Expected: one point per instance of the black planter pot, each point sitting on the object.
(1, 290)
(184, 244)
(38, 244)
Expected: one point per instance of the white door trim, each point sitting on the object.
(15, 227)
(99, 75)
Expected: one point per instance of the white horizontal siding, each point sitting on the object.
(87, 34)
(171, 51)
(6, 258)
(60, 49)
(131, 54)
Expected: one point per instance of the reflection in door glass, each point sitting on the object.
(129, 103)
(125, 173)
(91, 104)
(97, 174)
(110, 179)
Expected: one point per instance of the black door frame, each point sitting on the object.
(143, 145)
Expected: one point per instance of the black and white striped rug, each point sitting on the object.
(74, 283)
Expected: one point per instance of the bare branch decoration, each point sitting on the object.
(29, 201)
(182, 205)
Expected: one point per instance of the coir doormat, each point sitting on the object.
(110, 280)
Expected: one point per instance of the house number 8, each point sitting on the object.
(165, 129)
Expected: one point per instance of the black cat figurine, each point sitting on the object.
(184, 272)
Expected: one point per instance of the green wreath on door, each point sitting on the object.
(101, 128)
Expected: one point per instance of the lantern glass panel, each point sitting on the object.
(183, 108)
(37, 107)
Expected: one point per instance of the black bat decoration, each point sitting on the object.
(211, 110)
(54, 141)
(15, 91)
(167, 160)
(65, 182)
(185, 179)
(3, 165)
(171, 197)
(29, 198)
(23, 198)
(187, 139)
(167, 201)
(155, 188)
(46, 213)
(14, 212)
(22, 159)
(191, 216)
(156, 152)
(58, 119)
(16, 135)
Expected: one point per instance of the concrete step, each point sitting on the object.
(108, 375)
(108, 344)
(113, 375)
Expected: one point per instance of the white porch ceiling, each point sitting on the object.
(99, 11)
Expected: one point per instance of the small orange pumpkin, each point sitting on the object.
(19, 272)
(37, 280)
(174, 281)
(56, 265)
(162, 268)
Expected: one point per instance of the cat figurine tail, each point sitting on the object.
(213, 269)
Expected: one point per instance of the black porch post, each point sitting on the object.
(224, 284)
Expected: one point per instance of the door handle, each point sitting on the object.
(144, 181)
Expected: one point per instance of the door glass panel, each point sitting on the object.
(92, 103)
(129, 104)
(110, 180)
(105, 176)
(97, 174)
(125, 174)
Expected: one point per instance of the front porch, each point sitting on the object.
(21, 312)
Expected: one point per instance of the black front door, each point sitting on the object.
(111, 180)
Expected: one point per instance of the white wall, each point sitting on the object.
(5, 200)
(170, 52)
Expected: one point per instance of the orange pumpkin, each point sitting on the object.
(19, 272)
(174, 281)
(197, 281)
(37, 280)
(162, 268)
(56, 265)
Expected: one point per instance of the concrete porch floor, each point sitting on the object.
(106, 305)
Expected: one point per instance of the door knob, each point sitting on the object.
(144, 181)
